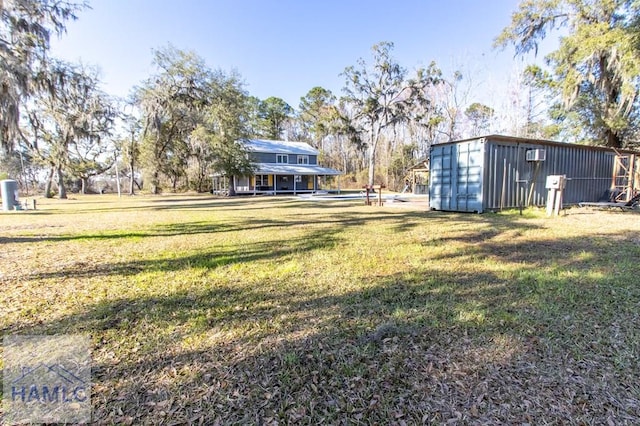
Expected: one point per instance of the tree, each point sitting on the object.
(68, 124)
(451, 106)
(317, 114)
(217, 141)
(19, 164)
(274, 113)
(253, 121)
(596, 67)
(193, 119)
(479, 115)
(171, 103)
(382, 96)
(91, 151)
(129, 146)
(26, 27)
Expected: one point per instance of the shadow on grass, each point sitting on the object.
(26, 212)
(401, 221)
(548, 338)
(209, 259)
(422, 346)
(243, 203)
(551, 335)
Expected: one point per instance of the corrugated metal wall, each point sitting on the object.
(508, 179)
(588, 174)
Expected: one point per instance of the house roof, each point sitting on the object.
(294, 169)
(279, 147)
(423, 164)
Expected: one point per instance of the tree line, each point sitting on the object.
(187, 120)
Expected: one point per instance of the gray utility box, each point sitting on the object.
(9, 191)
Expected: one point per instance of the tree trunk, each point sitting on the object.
(48, 184)
(155, 187)
(374, 136)
(132, 178)
(62, 192)
(198, 184)
(84, 185)
(372, 165)
(232, 186)
(345, 163)
(613, 140)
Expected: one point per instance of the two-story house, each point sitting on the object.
(281, 167)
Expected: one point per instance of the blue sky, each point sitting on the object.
(284, 48)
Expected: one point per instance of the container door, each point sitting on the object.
(469, 177)
(441, 172)
(456, 177)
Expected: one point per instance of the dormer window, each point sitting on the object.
(282, 158)
(303, 159)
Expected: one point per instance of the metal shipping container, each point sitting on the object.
(494, 172)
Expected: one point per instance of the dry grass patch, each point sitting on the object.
(276, 310)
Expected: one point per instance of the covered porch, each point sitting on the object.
(279, 179)
(285, 179)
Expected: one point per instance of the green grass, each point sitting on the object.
(268, 310)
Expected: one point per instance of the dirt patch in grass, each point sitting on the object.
(274, 310)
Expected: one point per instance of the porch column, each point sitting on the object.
(275, 184)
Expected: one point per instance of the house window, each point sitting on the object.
(262, 180)
(282, 158)
(303, 159)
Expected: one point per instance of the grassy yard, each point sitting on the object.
(273, 310)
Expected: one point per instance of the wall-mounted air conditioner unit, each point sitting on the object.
(536, 155)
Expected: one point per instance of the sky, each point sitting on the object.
(284, 48)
